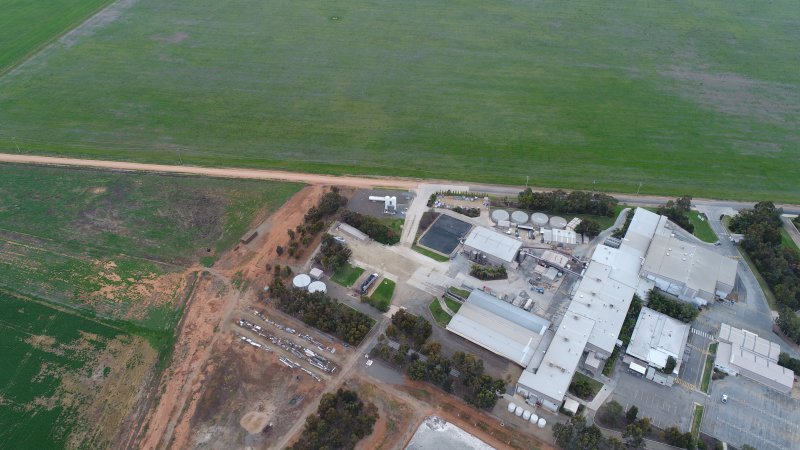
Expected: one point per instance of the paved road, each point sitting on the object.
(791, 229)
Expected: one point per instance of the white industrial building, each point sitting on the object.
(500, 327)
(688, 271)
(498, 247)
(558, 236)
(741, 352)
(655, 338)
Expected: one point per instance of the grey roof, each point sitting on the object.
(506, 330)
(657, 337)
(753, 356)
(519, 216)
(694, 266)
(558, 222)
(493, 243)
(540, 219)
(499, 214)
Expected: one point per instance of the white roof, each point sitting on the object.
(555, 258)
(301, 280)
(559, 236)
(751, 353)
(493, 243)
(571, 405)
(657, 337)
(558, 366)
(502, 328)
(750, 342)
(694, 266)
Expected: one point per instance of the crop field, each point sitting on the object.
(694, 97)
(66, 380)
(95, 267)
(26, 26)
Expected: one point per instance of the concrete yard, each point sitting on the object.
(754, 415)
(361, 203)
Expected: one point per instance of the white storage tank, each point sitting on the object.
(539, 219)
(301, 281)
(317, 286)
(526, 415)
(541, 422)
(518, 411)
(558, 222)
(519, 217)
(534, 419)
(499, 215)
(511, 407)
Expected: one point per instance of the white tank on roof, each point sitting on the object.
(301, 281)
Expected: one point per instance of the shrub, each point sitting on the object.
(488, 272)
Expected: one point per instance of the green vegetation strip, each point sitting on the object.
(440, 315)
(708, 369)
(347, 275)
(452, 304)
(430, 253)
(697, 420)
(136, 105)
(702, 230)
(382, 297)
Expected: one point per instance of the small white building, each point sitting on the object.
(741, 352)
(656, 337)
(498, 247)
(558, 236)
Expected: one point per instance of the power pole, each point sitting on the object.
(14, 139)
(527, 178)
(639, 188)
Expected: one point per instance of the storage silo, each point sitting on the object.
(534, 419)
(511, 407)
(541, 423)
(519, 217)
(301, 281)
(518, 411)
(526, 415)
(558, 222)
(499, 215)
(539, 219)
(317, 286)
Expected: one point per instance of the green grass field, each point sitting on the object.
(452, 304)
(702, 229)
(430, 253)
(347, 275)
(381, 298)
(439, 315)
(26, 26)
(694, 97)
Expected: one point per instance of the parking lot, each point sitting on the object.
(753, 414)
(694, 357)
(666, 406)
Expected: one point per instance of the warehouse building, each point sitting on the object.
(741, 352)
(688, 271)
(557, 236)
(498, 247)
(500, 327)
(655, 338)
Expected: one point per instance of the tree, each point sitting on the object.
(575, 435)
(342, 419)
(635, 432)
(582, 388)
(669, 367)
(279, 250)
(677, 211)
(677, 309)
(748, 447)
(630, 416)
(588, 227)
(612, 413)
(291, 234)
(417, 370)
(673, 436)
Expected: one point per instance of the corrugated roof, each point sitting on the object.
(657, 336)
(692, 265)
(493, 243)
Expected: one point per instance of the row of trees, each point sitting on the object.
(469, 212)
(410, 329)
(342, 420)
(780, 266)
(620, 233)
(678, 212)
(685, 312)
(790, 363)
(372, 227)
(576, 435)
(322, 312)
(488, 272)
(313, 222)
(575, 202)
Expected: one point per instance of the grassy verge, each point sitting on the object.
(593, 384)
(702, 230)
(463, 293)
(708, 370)
(429, 253)
(608, 368)
(347, 275)
(395, 225)
(787, 241)
(382, 297)
(452, 304)
(764, 287)
(697, 419)
(441, 317)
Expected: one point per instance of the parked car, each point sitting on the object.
(724, 398)
(339, 239)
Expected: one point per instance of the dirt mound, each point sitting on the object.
(254, 422)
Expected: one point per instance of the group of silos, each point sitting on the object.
(503, 218)
(526, 415)
(303, 281)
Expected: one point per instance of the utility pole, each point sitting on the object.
(527, 178)
(639, 188)
(180, 161)
(14, 140)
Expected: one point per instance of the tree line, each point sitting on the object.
(683, 311)
(575, 202)
(678, 212)
(313, 222)
(472, 384)
(333, 254)
(342, 419)
(322, 312)
(488, 272)
(372, 227)
(778, 265)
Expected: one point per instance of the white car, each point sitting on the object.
(724, 398)
(339, 239)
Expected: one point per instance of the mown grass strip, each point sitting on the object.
(347, 275)
(440, 315)
(708, 370)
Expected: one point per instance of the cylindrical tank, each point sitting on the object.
(518, 411)
(526, 415)
(317, 286)
(499, 215)
(534, 419)
(301, 281)
(541, 422)
(519, 217)
(539, 219)
(511, 407)
(558, 222)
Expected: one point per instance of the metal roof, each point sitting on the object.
(493, 243)
(656, 337)
(694, 266)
